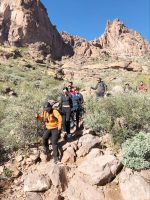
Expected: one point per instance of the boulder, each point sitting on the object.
(94, 153)
(53, 196)
(134, 186)
(54, 173)
(58, 175)
(35, 182)
(99, 170)
(69, 155)
(33, 196)
(80, 190)
(112, 192)
(86, 143)
(118, 89)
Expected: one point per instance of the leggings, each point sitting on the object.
(66, 119)
(54, 135)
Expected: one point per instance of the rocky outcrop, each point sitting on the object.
(33, 196)
(83, 48)
(122, 41)
(97, 176)
(118, 40)
(134, 186)
(23, 22)
(86, 143)
(100, 170)
(36, 182)
(80, 190)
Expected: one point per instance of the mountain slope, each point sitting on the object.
(23, 22)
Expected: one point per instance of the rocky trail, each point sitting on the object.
(88, 170)
(34, 55)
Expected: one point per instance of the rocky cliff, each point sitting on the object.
(23, 22)
(122, 41)
(117, 40)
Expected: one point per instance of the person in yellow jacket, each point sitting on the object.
(53, 124)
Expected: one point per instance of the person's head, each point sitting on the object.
(99, 80)
(141, 83)
(71, 83)
(65, 90)
(69, 88)
(74, 89)
(47, 107)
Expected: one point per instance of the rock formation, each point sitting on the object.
(23, 22)
(98, 175)
(117, 40)
(122, 41)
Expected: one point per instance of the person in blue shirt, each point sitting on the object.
(77, 100)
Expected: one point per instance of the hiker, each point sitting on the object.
(77, 100)
(142, 87)
(53, 123)
(100, 88)
(72, 91)
(127, 88)
(70, 85)
(66, 106)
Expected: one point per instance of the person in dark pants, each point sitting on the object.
(77, 100)
(65, 106)
(53, 123)
(100, 88)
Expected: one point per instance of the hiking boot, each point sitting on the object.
(64, 135)
(69, 136)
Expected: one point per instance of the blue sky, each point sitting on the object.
(87, 18)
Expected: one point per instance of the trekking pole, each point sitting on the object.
(37, 127)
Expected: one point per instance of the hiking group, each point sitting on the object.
(66, 117)
(69, 113)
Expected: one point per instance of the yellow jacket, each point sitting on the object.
(53, 120)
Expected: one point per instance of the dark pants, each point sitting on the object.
(66, 119)
(54, 135)
(76, 113)
(100, 94)
(77, 117)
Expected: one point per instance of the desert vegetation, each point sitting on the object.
(124, 118)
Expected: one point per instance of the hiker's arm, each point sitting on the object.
(81, 99)
(95, 88)
(105, 87)
(40, 117)
(70, 102)
(59, 118)
(60, 103)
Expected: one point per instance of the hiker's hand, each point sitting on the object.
(36, 115)
(59, 128)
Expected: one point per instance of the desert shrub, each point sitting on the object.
(122, 116)
(19, 126)
(17, 114)
(3, 105)
(136, 152)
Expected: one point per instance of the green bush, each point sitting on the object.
(136, 152)
(17, 114)
(122, 116)
(19, 126)
(7, 172)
